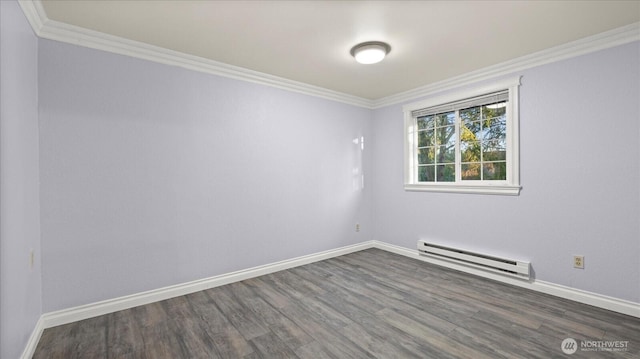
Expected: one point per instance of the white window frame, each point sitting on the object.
(510, 186)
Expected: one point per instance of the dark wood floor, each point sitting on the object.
(369, 304)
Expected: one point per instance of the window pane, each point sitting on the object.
(471, 131)
(446, 119)
(494, 150)
(470, 114)
(446, 173)
(452, 139)
(494, 171)
(445, 134)
(470, 171)
(426, 173)
(426, 138)
(446, 154)
(495, 128)
(466, 133)
(426, 155)
(470, 151)
(426, 122)
(495, 109)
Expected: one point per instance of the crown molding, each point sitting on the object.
(54, 30)
(604, 40)
(34, 13)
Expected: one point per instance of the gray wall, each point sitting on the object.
(153, 175)
(20, 286)
(579, 143)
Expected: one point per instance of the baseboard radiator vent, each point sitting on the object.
(495, 264)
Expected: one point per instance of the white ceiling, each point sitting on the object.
(309, 41)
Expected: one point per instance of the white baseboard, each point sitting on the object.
(577, 295)
(30, 348)
(91, 310)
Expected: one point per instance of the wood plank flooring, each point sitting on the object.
(368, 304)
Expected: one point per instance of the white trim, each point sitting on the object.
(577, 295)
(53, 30)
(586, 297)
(35, 14)
(495, 86)
(30, 348)
(605, 40)
(91, 310)
(506, 190)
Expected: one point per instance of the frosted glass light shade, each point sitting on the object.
(370, 52)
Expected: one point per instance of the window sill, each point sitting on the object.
(507, 190)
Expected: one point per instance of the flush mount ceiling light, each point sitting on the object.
(370, 52)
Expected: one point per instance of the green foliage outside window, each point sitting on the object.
(482, 142)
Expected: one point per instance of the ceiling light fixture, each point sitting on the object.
(370, 52)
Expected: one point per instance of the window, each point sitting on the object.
(464, 142)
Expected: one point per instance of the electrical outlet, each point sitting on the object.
(578, 262)
(357, 227)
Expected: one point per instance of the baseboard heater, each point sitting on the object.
(495, 264)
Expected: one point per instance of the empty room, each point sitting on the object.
(319, 179)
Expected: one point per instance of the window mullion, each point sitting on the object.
(482, 119)
(416, 168)
(508, 139)
(458, 165)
